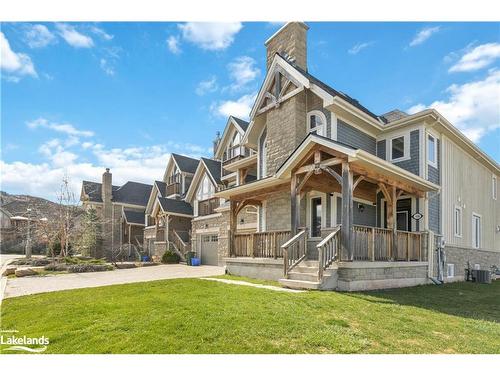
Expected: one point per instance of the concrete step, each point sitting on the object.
(303, 276)
(300, 284)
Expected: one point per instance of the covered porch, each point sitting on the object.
(345, 205)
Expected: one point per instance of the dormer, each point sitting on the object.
(178, 175)
(206, 182)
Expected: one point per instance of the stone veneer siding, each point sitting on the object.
(355, 138)
(288, 119)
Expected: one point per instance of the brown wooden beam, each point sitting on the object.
(347, 212)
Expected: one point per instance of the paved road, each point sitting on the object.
(31, 285)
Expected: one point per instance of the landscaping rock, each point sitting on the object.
(9, 271)
(125, 265)
(22, 272)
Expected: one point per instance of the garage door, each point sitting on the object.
(209, 248)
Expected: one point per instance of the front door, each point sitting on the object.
(403, 214)
(316, 217)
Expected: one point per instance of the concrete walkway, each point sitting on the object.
(41, 284)
(261, 286)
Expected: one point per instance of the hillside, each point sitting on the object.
(18, 205)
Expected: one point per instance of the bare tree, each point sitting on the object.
(68, 209)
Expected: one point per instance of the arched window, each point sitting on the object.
(316, 122)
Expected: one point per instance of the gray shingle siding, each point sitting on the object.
(368, 217)
(413, 164)
(355, 138)
(435, 200)
(381, 149)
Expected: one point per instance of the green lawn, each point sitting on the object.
(196, 316)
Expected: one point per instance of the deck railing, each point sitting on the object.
(294, 251)
(376, 244)
(328, 251)
(182, 244)
(260, 244)
(208, 206)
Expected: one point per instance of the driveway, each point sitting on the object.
(41, 284)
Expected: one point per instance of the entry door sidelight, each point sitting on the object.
(316, 217)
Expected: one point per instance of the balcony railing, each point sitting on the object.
(235, 153)
(174, 188)
(208, 206)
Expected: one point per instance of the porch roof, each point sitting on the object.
(175, 207)
(134, 217)
(361, 161)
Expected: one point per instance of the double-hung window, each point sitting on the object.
(399, 148)
(432, 150)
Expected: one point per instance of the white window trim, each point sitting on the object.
(406, 151)
(458, 233)
(494, 187)
(406, 215)
(322, 129)
(480, 230)
(333, 126)
(430, 162)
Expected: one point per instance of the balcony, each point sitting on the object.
(174, 185)
(208, 206)
(235, 153)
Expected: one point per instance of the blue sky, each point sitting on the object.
(79, 97)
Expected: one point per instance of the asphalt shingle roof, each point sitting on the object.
(214, 168)
(242, 123)
(185, 163)
(134, 217)
(131, 192)
(162, 187)
(332, 91)
(175, 206)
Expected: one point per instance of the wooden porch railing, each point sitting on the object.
(294, 251)
(180, 243)
(260, 244)
(328, 251)
(376, 244)
(208, 206)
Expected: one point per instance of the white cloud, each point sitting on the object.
(16, 64)
(243, 71)
(207, 86)
(472, 107)
(101, 33)
(38, 36)
(212, 36)
(106, 67)
(73, 37)
(67, 129)
(477, 58)
(173, 44)
(354, 50)
(423, 35)
(239, 108)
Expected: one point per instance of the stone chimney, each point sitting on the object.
(107, 213)
(291, 43)
(216, 142)
(107, 189)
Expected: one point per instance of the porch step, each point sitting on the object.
(300, 284)
(303, 276)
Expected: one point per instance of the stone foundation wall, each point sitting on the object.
(378, 275)
(460, 256)
(264, 269)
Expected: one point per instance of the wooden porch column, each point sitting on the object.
(129, 233)
(294, 213)
(232, 226)
(391, 220)
(347, 205)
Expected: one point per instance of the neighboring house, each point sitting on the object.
(118, 208)
(348, 199)
(168, 216)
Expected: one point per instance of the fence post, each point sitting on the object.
(408, 247)
(372, 245)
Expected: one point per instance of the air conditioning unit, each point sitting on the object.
(483, 276)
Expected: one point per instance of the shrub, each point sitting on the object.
(170, 257)
(87, 267)
(40, 262)
(56, 267)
